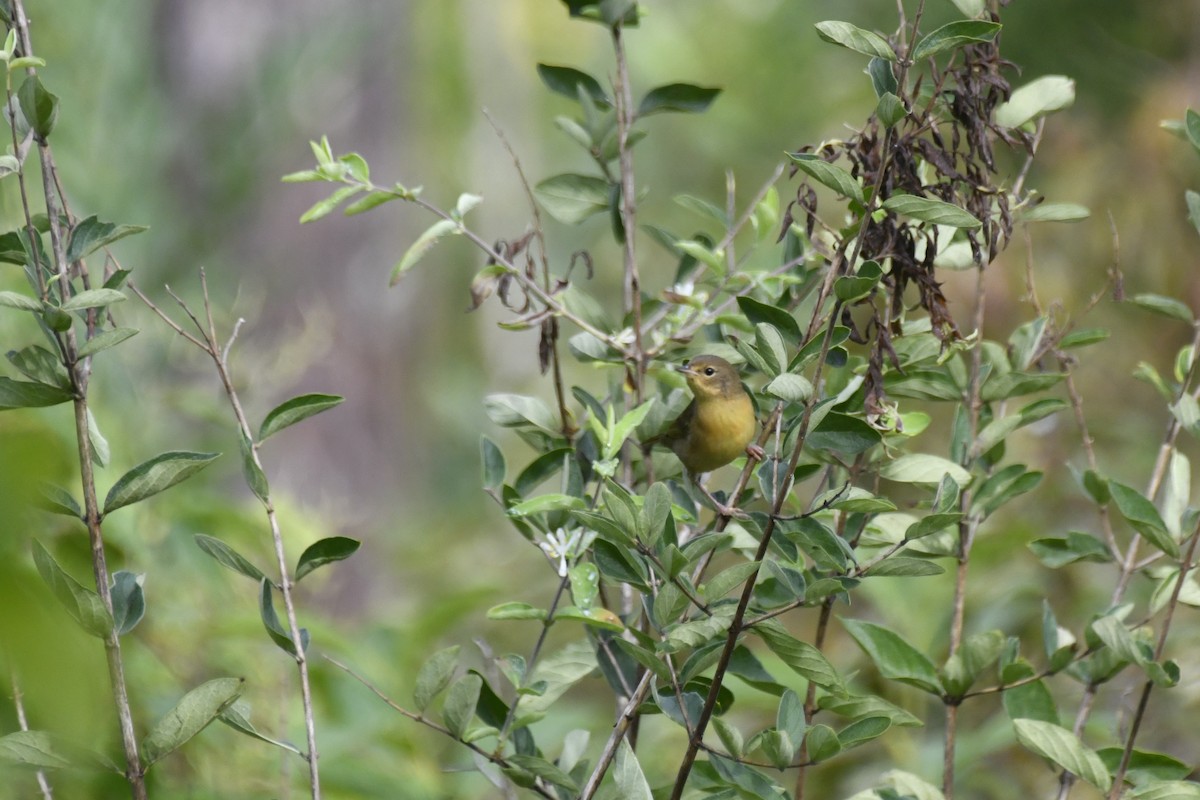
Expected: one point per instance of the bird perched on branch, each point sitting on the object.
(718, 425)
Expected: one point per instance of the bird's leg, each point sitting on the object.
(721, 508)
(755, 452)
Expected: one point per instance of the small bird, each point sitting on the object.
(718, 425)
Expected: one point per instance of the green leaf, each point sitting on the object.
(902, 567)
(459, 708)
(628, 776)
(822, 743)
(890, 109)
(929, 210)
(323, 207)
(1166, 790)
(1084, 337)
(434, 676)
(369, 201)
(932, 523)
(325, 551)
(93, 299)
(922, 468)
(90, 234)
(128, 601)
(417, 250)
(1141, 514)
(1193, 206)
(869, 706)
(543, 769)
(295, 410)
(83, 604)
(39, 106)
(20, 301)
(790, 388)
(863, 731)
(572, 198)
(567, 81)
(156, 475)
(801, 656)
(850, 288)
(104, 340)
(956, 34)
(191, 714)
(515, 610)
(1163, 306)
(237, 716)
(843, 433)
(493, 463)
(227, 557)
(837, 178)
(518, 411)
(683, 97)
(883, 78)
(1056, 552)
(728, 579)
(1147, 766)
(253, 473)
(1064, 749)
(23, 394)
(757, 312)
(1110, 630)
(58, 500)
(855, 38)
(39, 364)
(1034, 99)
(895, 658)
(1053, 212)
(546, 502)
(38, 749)
(266, 608)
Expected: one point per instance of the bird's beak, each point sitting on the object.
(684, 368)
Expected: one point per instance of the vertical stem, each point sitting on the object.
(78, 372)
(285, 579)
(633, 281)
(23, 722)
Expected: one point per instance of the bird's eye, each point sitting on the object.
(709, 371)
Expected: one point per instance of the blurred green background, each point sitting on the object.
(183, 116)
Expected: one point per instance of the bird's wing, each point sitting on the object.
(677, 429)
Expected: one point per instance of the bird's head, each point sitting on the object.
(711, 376)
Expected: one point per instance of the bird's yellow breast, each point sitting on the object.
(718, 433)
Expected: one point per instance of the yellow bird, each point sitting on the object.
(718, 425)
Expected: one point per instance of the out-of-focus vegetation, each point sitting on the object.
(182, 116)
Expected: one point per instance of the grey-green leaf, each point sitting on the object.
(459, 708)
(39, 106)
(1063, 748)
(26, 394)
(628, 775)
(105, 340)
(90, 234)
(928, 210)
(92, 298)
(1141, 514)
(58, 500)
(572, 198)
(683, 97)
(434, 676)
(295, 410)
(896, 659)
(855, 38)
(417, 250)
(266, 608)
(226, 556)
(325, 551)
(837, 178)
(567, 80)
(955, 34)
(237, 716)
(83, 604)
(190, 715)
(128, 601)
(156, 475)
(20, 301)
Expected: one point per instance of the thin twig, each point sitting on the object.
(499, 761)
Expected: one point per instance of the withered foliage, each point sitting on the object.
(943, 148)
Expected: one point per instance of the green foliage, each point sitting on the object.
(895, 442)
